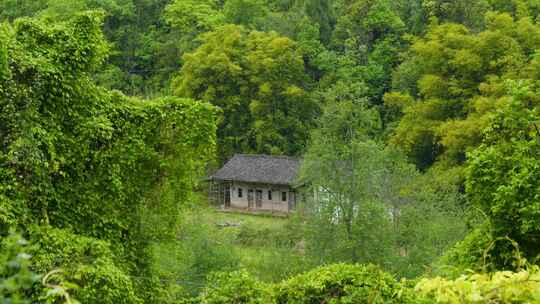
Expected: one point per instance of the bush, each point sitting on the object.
(19, 284)
(16, 279)
(358, 284)
(234, 287)
(341, 283)
(503, 177)
(499, 287)
(85, 261)
(467, 254)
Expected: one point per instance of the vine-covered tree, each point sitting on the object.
(79, 164)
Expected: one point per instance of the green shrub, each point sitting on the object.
(467, 254)
(16, 279)
(236, 287)
(503, 177)
(341, 283)
(19, 283)
(86, 262)
(358, 284)
(498, 287)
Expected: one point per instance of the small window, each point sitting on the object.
(269, 195)
(240, 192)
(284, 196)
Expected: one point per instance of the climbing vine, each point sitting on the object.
(78, 162)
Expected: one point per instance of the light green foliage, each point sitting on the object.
(369, 204)
(207, 241)
(499, 287)
(193, 17)
(471, 253)
(503, 176)
(16, 278)
(432, 221)
(341, 283)
(234, 287)
(258, 80)
(335, 167)
(84, 261)
(99, 182)
(456, 79)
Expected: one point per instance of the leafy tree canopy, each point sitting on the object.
(259, 81)
(451, 82)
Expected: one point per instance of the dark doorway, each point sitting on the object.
(292, 201)
(258, 198)
(250, 198)
(227, 194)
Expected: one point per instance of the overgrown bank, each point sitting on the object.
(85, 172)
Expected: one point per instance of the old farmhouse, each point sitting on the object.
(257, 183)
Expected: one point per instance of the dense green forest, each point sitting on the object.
(419, 118)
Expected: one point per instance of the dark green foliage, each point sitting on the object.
(244, 12)
(322, 13)
(11, 9)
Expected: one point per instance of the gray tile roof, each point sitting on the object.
(277, 170)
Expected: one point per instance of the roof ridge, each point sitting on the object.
(266, 156)
(273, 169)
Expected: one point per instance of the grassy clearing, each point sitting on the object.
(257, 220)
(265, 245)
(209, 240)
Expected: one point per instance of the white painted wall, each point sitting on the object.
(276, 204)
